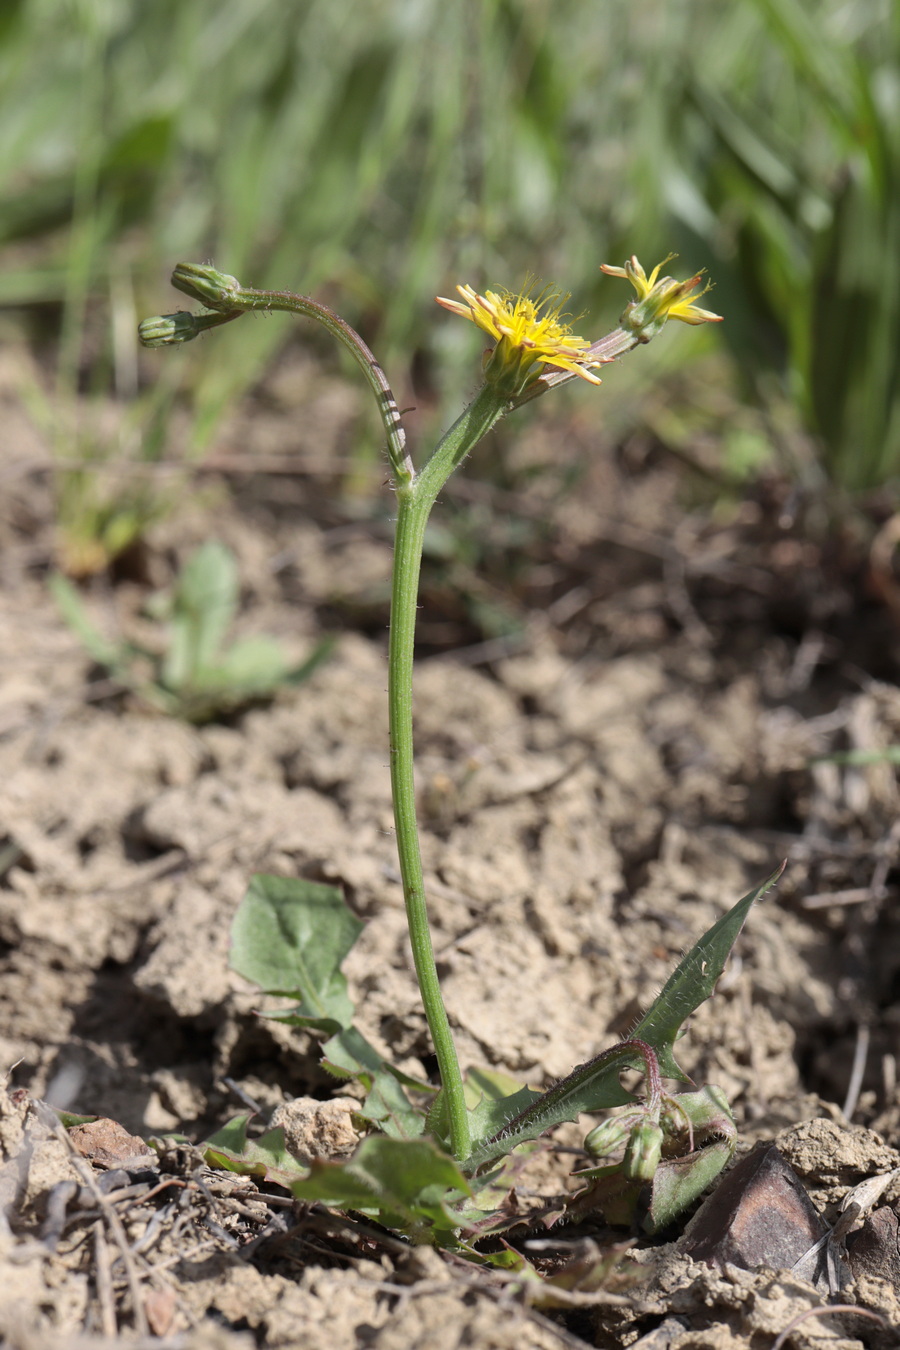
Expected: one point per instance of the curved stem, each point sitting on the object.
(223, 293)
(416, 495)
(358, 349)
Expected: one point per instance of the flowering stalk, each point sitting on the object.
(229, 299)
(534, 350)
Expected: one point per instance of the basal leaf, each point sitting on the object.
(98, 648)
(321, 652)
(349, 1054)
(203, 605)
(406, 1184)
(492, 1115)
(483, 1084)
(254, 665)
(388, 1107)
(290, 936)
(499, 1126)
(68, 1119)
(693, 980)
(265, 1157)
(678, 1182)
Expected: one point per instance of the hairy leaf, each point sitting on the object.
(499, 1126)
(692, 982)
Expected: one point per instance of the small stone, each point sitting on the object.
(760, 1215)
(314, 1129)
(661, 1337)
(106, 1143)
(875, 1248)
(159, 1307)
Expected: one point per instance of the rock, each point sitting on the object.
(106, 1143)
(875, 1248)
(314, 1129)
(760, 1215)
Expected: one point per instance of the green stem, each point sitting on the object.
(414, 503)
(223, 293)
(358, 349)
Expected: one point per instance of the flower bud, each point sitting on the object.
(213, 289)
(643, 1152)
(610, 1135)
(165, 330)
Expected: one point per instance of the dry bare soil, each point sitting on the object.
(598, 782)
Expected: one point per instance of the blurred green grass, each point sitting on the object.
(376, 154)
(788, 171)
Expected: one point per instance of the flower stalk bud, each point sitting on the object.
(214, 289)
(610, 1135)
(643, 1151)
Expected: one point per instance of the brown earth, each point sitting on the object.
(603, 772)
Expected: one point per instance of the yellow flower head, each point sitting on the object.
(659, 299)
(529, 330)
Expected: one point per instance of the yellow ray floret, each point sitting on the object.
(669, 299)
(533, 328)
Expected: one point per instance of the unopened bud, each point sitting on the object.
(610, 1135)
(214, 289)
(166, 330)
(643, 1152)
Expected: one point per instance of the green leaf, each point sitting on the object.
(349, 1055)
(290, 936)
(321, 652)
(99, 649)
(69, 1119)
(388, 1107)
(492, 1115)
(203, 606)
(482, 1084)
(265, 1157)
(887, 754)
(252, 666)
(499, 1126)
(692, 982)
(407, 1184)
(679, 1181)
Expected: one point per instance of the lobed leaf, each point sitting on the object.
(693, 981)
(499, 1126)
